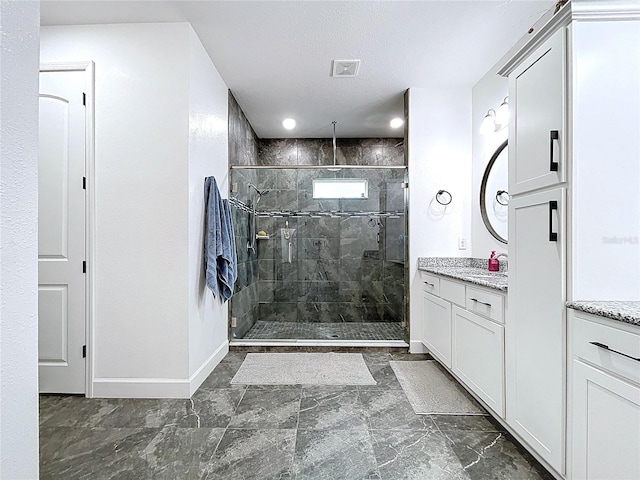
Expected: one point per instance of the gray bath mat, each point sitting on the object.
(430, 391)
(303, 369)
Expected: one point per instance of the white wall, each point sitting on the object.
(439, 139)
(153, 86)
(208, 155)
(487, 94)
(19, 27)
(606, 157)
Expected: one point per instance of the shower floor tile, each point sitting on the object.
(264, 330)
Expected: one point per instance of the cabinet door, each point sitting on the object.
(478, 357)
(437, 327)
(536, 323)
(605, 427)
(536, 136)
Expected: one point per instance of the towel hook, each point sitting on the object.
(441, 194)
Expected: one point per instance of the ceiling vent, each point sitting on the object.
(345, 68)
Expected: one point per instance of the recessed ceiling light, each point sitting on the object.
(289, 123)
(396, 122)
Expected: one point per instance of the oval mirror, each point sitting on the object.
(494, 198)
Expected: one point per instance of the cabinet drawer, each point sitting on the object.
(489, 304)
(452, 291)
(430, 284)
(587, 330)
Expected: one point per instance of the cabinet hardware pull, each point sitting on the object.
(553, 236)
(483, 303)
(430, 284)
(606, 347)
(553, 135)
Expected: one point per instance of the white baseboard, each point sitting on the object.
(417, 347)
(201, 374)
(141, 388)
(158, 387)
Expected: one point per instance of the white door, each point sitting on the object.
(536, 326)
(437, 327)
(61, 233)
(478, 356)
(536, 137)
(606, 425)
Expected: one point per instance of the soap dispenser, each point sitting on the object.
(494, 265)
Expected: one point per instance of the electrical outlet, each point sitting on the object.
(462, 243)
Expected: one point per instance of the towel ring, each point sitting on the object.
(442, 193)
(499, 194)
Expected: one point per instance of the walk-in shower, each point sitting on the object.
(321, 253)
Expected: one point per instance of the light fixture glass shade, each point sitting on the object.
(289, 123)
(396, 122)
(489, 122)
(502, 115)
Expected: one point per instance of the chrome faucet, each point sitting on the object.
(502, 255)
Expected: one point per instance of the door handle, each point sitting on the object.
(553, 236)
(553, 135)
(606, 347)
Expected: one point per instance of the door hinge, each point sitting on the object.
(84, 266)
(84, 99)
(405, 184)
(84, 183)
(84, 351)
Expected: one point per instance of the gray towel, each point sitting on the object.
(220, 261)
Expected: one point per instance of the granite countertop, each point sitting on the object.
(627, 312)
(471, 270)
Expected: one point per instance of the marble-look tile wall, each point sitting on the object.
(319, 151)
(243, 141)
(341, 269)
(243, 150)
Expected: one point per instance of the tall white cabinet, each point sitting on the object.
(553, 78)
(536, 333)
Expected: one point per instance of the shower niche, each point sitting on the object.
(321, 253)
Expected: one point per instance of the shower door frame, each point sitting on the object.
(405, 322)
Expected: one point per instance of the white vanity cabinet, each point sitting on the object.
(463, 327)
(436, 335)
(478, 356)
(604, 387)
(560, 80)
(436, 318)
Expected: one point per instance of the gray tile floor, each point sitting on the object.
(267, 330)
(267, 432)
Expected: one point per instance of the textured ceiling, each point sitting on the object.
(275, 56)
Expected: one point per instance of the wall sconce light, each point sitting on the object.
(489, 122)
(502, 115)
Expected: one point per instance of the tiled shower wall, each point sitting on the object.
(319, 151)
(342, 269)
(243, 150)
(331, 269)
